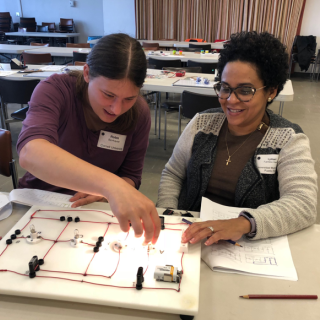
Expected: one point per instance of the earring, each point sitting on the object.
(269, 99)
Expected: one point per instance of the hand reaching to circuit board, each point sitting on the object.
(131, 206)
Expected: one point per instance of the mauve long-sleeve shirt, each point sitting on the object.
(56, 115)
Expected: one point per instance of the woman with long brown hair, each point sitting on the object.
(87, 133)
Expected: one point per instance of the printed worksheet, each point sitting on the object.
(39, 197)
(266, 258)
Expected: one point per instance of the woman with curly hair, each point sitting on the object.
(244, 155)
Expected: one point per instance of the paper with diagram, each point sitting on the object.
(266, 258)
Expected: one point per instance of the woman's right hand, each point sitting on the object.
(131, 206)
(70, 172)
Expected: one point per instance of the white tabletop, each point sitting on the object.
(219, 292)
(15, 49)
(44, 34)
(195, 56)
(165, 85)
(184, 44)
(60, 51)
(171, 44)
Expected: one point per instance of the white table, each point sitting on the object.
(14, 49)
(195, 56)
(43, 34)
(60, 51)
(219, 292)
(166, 85)
(184, 44)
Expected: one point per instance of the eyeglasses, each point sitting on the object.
(243, 93)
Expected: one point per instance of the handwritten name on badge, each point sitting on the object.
(111, 141)
(267, 163)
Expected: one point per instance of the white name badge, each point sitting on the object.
(267, 163)
(111, 141)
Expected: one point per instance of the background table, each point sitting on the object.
(43, 34)
(219, 292)
(60, 51)
(13, 49)
(182, 44)
(208, 57)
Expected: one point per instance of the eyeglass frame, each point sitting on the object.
(234, 90)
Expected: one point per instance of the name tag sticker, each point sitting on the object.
(267, 163)
(111, 141)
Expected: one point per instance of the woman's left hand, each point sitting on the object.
(81, 199)
(232, 229)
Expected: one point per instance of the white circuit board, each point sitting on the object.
(72, 271)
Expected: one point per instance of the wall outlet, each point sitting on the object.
(17, 14)
(71, 3)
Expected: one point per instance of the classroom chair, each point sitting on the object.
(207, 67)
(161, 63)
(79, 63)
(39, 44)
(200, 46)
(78, 45)
(51, 26)
(150, 46)
(7, 163)
(79, 56)
(14, 91)
(37, 58)
(191, 104)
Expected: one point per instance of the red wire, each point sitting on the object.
(56, 239)
(116, 267)
(147, 265)
(85, 273)
(93, 245)
(82, 281)
(4, 250)
(174, 229)
(77, 211)
(46, 218)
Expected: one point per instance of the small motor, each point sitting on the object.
(167, 273)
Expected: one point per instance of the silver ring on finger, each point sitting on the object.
(211, 228)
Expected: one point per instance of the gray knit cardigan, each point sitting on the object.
(280, 203)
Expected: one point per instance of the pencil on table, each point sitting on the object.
(278, 296)
(235, 243)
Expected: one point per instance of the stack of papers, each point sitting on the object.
(52, 68)
(5, 207)
(32, 197)
(7, 73)
(264, 258)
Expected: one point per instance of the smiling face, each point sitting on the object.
(244, 117)
(110, 98)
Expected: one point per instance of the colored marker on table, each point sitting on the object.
(230, 241)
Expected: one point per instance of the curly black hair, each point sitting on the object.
(263, 50)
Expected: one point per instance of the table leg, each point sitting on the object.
(159, 108)
(155, 113)
(281, 106)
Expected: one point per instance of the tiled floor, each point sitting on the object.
(304, 110)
